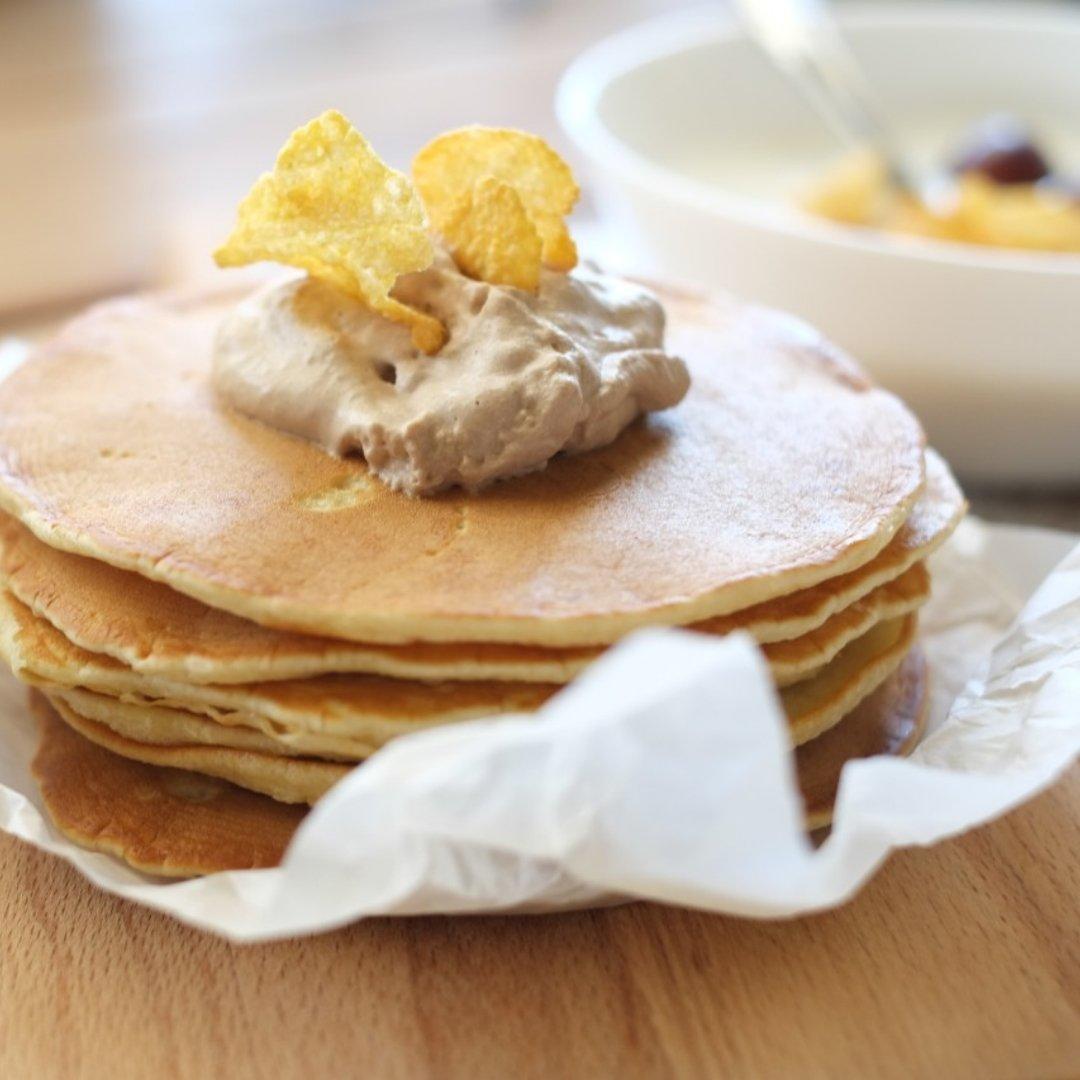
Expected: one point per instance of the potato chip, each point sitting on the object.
(491, 237)
(332, 207)
(451, 165)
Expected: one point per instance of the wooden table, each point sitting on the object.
(958, 961)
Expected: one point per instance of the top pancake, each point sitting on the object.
(782, 468)
(158, 631)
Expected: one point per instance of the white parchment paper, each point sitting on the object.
(662, 773)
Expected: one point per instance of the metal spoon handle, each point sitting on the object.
(803, 40)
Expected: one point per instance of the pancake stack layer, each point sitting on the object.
(220, 621)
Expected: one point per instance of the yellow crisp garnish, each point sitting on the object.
(1017, 215)
(332, 207)
(451, 166)
(491, 237)
(855, 190)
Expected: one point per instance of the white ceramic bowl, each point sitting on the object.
(698, 145)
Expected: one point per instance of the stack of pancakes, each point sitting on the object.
(221, 620)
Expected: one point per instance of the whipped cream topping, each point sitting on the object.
(522, 377)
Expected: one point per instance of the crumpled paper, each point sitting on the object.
(663, 773)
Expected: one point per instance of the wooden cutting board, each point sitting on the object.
(958, 961)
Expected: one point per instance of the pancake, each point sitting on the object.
(802, 658)
(160, 632)
(855, 675)
(142, 727)
(285, 779)
(890, 721)
(819, 703)
(151, 722)
(163, 726)
(171, 822)
(784, 467)
(168, 821)
(369, 708)
(160, 821)
(938, 511)
(365, 705)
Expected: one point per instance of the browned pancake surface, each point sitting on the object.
(348, 716)
(169, 821)
(890, 721)
(934, 517)
(783, 467)
(284, 778)
(156, 630)
(159, 820)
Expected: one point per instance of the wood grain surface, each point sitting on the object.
(958, 961)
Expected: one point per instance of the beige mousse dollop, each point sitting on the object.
(521, 378)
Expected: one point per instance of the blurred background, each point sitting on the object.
(129, 129)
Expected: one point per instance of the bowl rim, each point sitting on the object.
(585, 81)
